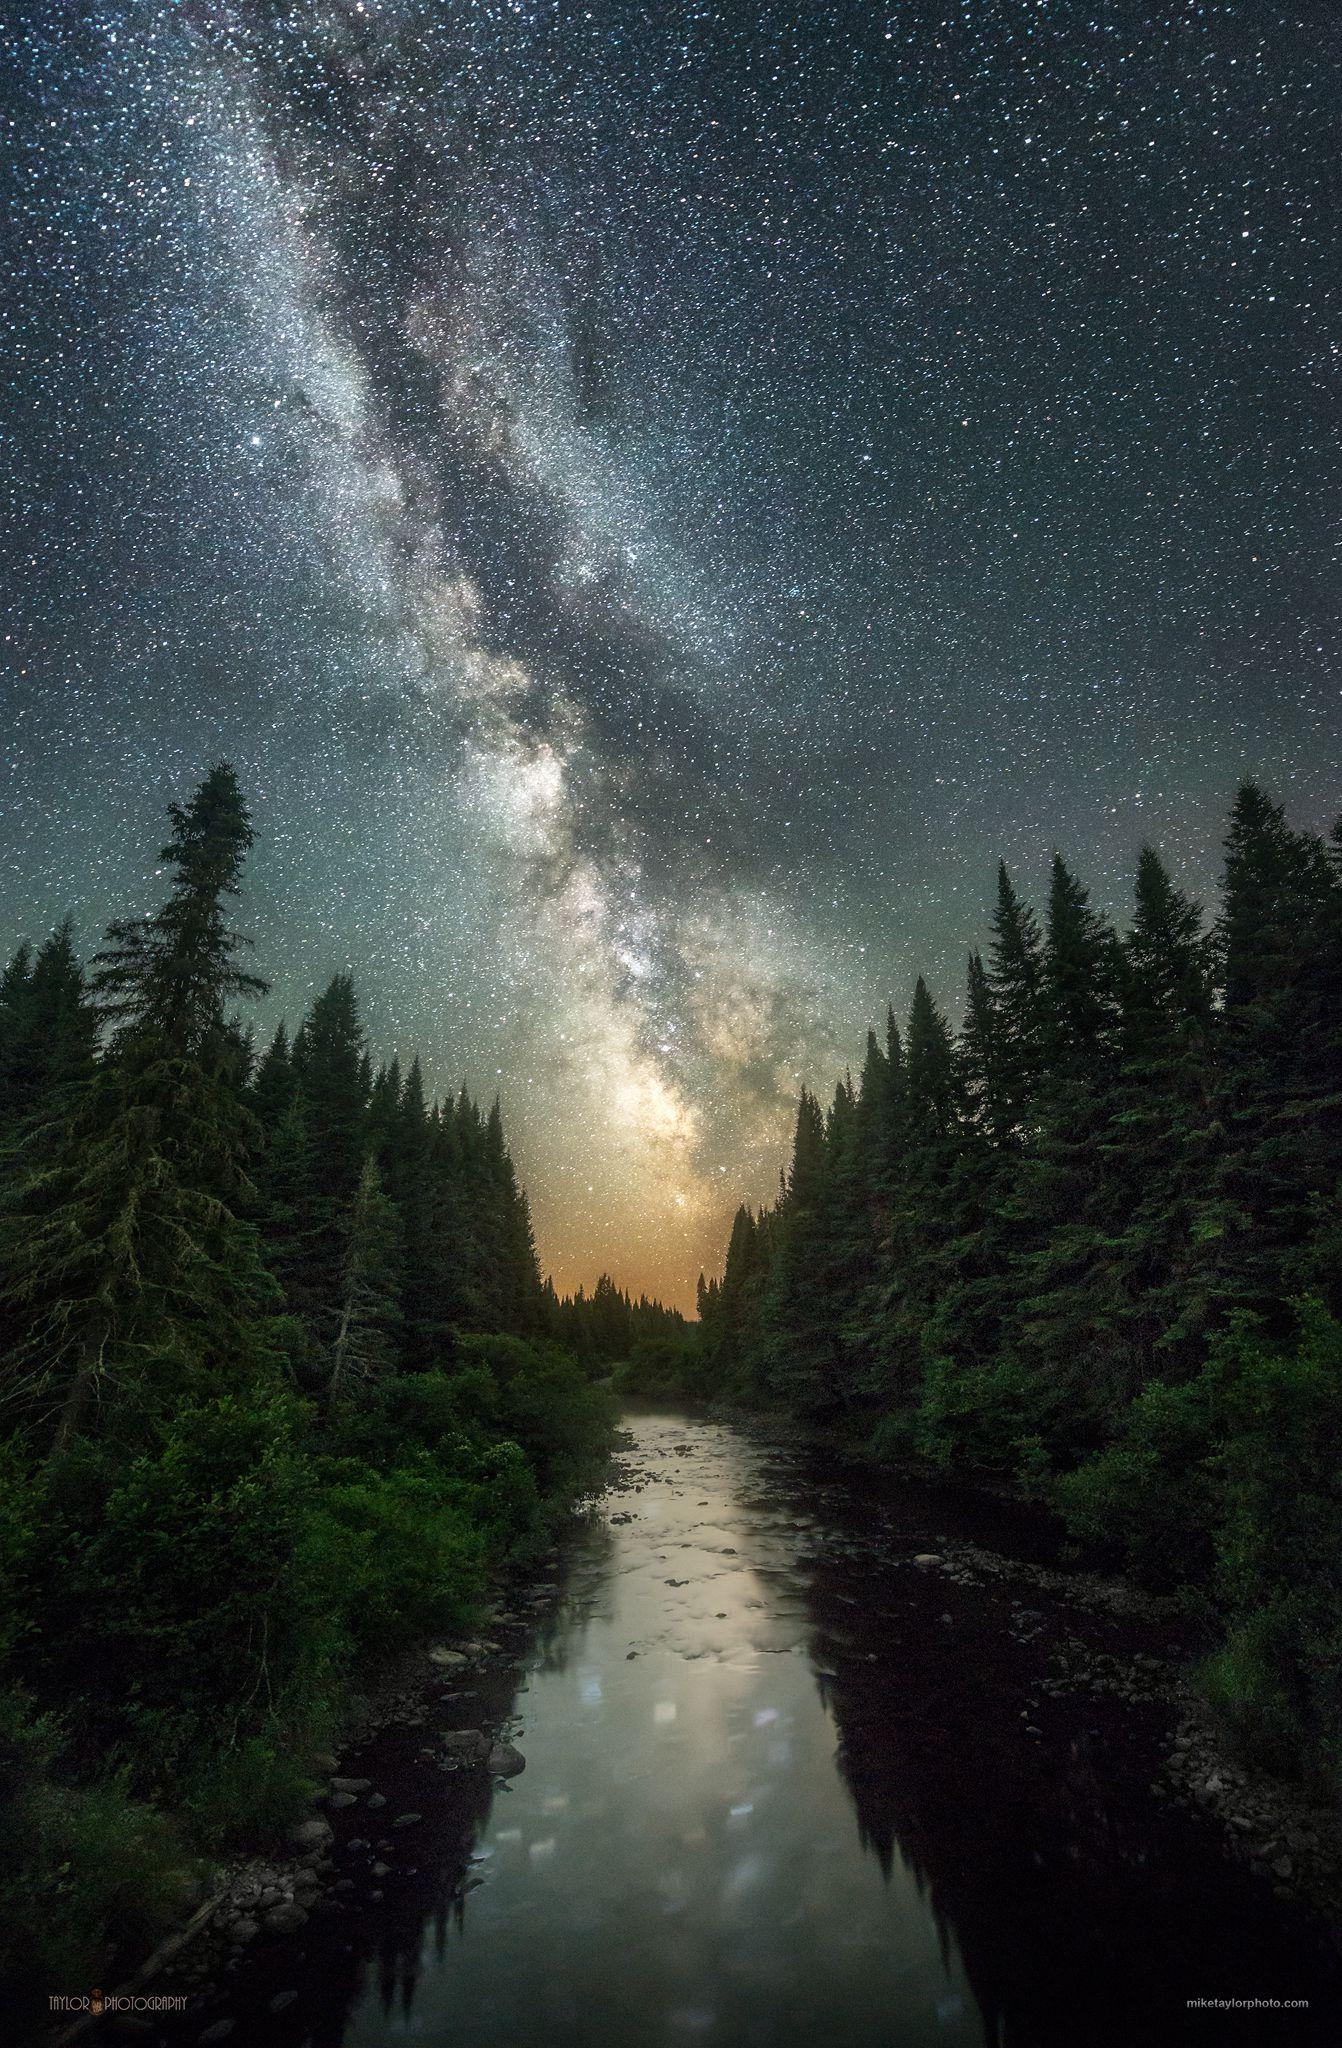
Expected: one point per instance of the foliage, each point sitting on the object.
(281, 1389)
(1066, 1246)
(666, 1368)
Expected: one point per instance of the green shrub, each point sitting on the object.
(981, 1417)
(1231, 1485)
(668, 1368)
(561, 1421)
(393, 1558)
(84, 1869)
(1150, 1498)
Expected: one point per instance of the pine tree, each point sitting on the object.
(48, 1033)
(1164, 1135)
(174, 973)
(798, 1350)
(1016, 986)
(126, 1257)
(329, 1062)
(1069, 1307)
(368, 1326)
(1279, 1094)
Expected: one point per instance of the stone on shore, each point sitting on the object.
(312, 1834)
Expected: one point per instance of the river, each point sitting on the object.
(784, 1785)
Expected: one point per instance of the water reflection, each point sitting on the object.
(776, 1792)
(680, 1859)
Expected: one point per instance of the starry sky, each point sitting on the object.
(654, 500)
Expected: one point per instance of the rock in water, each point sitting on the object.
(505, 1761)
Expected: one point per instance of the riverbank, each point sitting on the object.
(996, 1726)
(1286, 1837)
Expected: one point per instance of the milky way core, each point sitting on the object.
(655, 500)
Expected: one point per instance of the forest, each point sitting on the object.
(1090, 1248)
(282, 1388)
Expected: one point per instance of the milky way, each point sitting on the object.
(655, 501)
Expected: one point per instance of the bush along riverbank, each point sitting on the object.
(1088, 1249)
(281, 1396)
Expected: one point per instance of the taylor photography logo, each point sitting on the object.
(97, 2004)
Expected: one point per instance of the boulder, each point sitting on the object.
(505, 1761)
(286, 1919)
(355, 1785)
(448, 1660)
(469, 1745)
(312, 1834)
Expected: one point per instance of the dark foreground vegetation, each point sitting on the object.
(1092, 1246)
(281, 1387)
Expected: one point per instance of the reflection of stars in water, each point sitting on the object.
(654, 516)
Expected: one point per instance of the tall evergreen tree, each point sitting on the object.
(125, 1256)
(1016, 986)
(369, 1320)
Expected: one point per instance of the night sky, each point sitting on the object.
(654, 501)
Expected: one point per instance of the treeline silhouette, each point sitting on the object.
(1092, 1243)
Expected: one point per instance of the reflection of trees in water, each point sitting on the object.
(333, 1962)
(1081, 1913)
(558, 1631)
(555, 1635)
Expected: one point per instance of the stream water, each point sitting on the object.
(783, 1785)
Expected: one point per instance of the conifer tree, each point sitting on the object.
(1016, 986)
(369, 1320)
(48, 1034)
(126, 1257)
(330, 1067)
(1278, 1085)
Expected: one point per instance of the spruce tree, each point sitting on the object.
(126, 1257)
(368, 1324)
(1016, 985)
(1278, 1094)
